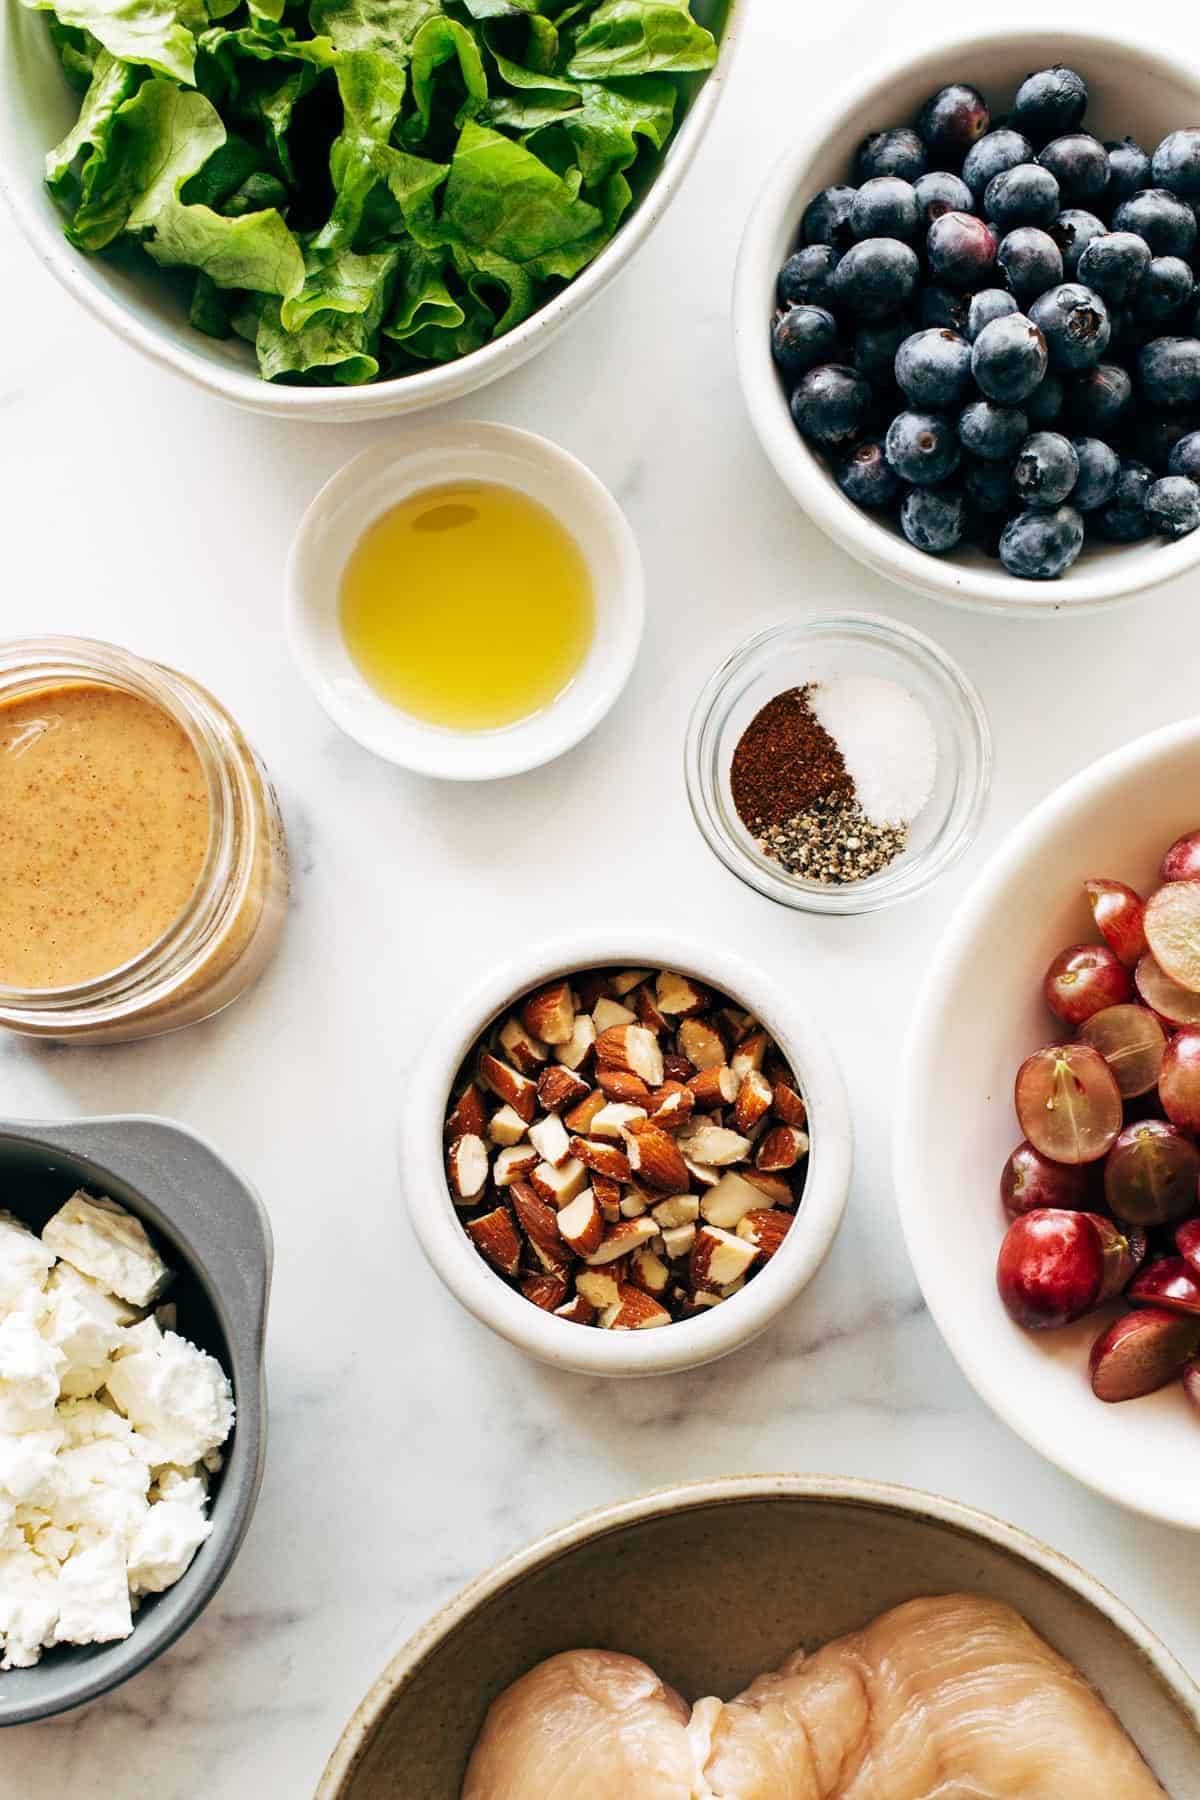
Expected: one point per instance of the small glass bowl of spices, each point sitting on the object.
(838, 763)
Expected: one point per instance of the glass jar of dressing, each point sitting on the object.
(143, 865)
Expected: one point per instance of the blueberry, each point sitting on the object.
(1009, 359)
(993, 433)
(1167, 223)
(998, 151)
(1176, 163)
(899, 152)
(875, 347)
(1026, 195)
(801, 338)
(1173, 505)
(922, 448)
(1073, 231)
(939, 192)
(864, 476)
(1123, 519)
(1113, 265)
(877, 278)
(934, 519)
(826, 219)
(962, 251)
(933, 369)
(1163, 291)
(1155, 438)
(1101, 398)
(1041, 546)
(988, 487)
(885, 207)
(1046, 469)
(1049, 103)
(1128, 170)
(1169, 371)
(1185, 457)
(1079, 163)
(952, 120)
(832, 404)
(1031, 261)
(1045, 404)
(1099, 467)
(806, 278)
(1075, 324)
(988, 304)
(943, 310)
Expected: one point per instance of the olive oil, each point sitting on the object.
(468, 605)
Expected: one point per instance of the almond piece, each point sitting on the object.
(677, 996)
(581, 1223)
(547, 1291)
(467, 1168)
(765, 1229)
(701, 1173)
(677, 1068)
(509, 1085)
(633, 1311)
(749, 1053)
(608, 1014)
(775, 1189)
(550, 1139)
(789, 1107)
(701, 1301)
(496, 1237)
(626, 980)
(740, 1022)
(655, 1156)
(620, 1085)
(524, 1052)
(608, 1195)
(577, 1310)
(713, 1088)
(713, 1144)
(633, 1205)
(754, 1099)
(729, 1202)
(782, 1148)
(539, 1222)
(590, 987)
(620, 1239)
(580, 1117)
(673, 1105)
(633, 1048)
(647, 1011)
(605, 1159)
(558, 1183)
(600, 1287)
(514, 1163)
(549, 1014)
(678, 1240)
(468, 1115)
(718, 1257)
(506, 1126)
(702, 1044)
(559, 1086)
(648, 1271)
(680, 1209)
(612, 1119)
(575, 1052)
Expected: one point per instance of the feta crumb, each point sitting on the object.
(93, 1596)
(24, 1262)
(86, 1324)
(100, 1239)
(167, 1539)
(27, 1461)
(29, 1368)
(178, 1395)
(28, 1607)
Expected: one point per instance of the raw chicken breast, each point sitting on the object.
(587, 1723)
(953, 1698)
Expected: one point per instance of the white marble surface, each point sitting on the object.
(409, 1449)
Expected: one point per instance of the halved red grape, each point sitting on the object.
(1173, 931)
(1177, 1005)
(1124, 1250)
(1151, 1173)
(1140, 1352)
(1187, 1242)
(1051, 1268)
(1082, 980)
(1169, 1282)
(1117, 910)
(1031, 1181)
(1179, 1080)
(1182, 861)
(1131, 1041)
(1068, 1103)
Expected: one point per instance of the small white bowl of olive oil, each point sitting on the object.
(465, 600)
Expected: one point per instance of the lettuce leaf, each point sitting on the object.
(96, 222)
(135, 31)
(641, 37)
(501, 199)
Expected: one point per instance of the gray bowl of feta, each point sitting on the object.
(135, 1271)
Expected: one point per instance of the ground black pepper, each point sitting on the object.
(784, 760)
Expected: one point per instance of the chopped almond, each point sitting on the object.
(647, 1011)
(591, 986)
(496, 1237)
(539, 1222)
(774, 1189)
(677, 1068)
(678, 1240)
(782, 1148)
(608, 1194)
(620, 1239)
(468, 1115)
(729, 1202)
(604, 1158)
(581, 1223)
(559, 1086)
(701, 1043)
(514, 1163)
(608, 1014)
(713, 1144)
(753, 1100)
(612, 1120)
(713, 1087)
(765, 1228)
(633, 1204)
(509, 1085)
(789, 1107)
(546, 1291)
(678, 996)
(506, 1126)
(718, 1257)
(558, 1183)
(633, 1311)
(575, 1052)
(633, 1048)
(549, 1014)
(749, 1054)
(524, 1052)
(673, 1105)
(648, 1271)
(701, 1173)
(655, 1156)
(580, 1117)
(467, 1168)
(550, 1138)
(626, 980)
(620, 1085)
(577, 1310)
(600, 1287)
(680, 1209)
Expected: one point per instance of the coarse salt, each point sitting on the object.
(886, 740)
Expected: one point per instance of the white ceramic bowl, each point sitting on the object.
(143, 305)
(1133, 91)
(689, 1342)
(422, 458)
(979, 1016)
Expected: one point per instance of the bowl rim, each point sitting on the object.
(1086, 589)
(414, 744)
(685, 1343)
(693, 1496)
(168, 346)
(1035, 833)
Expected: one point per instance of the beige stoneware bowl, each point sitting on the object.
(714, 1582)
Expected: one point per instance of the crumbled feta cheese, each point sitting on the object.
(100, 1239)
(28, 1607)
(167, 1539)
(29, 1369)
(24, 1262)
(93, 1596)
(27, 1460)
(86, 1324)
(178, 1395)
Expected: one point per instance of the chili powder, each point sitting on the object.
(784, 760)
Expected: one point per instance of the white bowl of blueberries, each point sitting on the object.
(968, 321)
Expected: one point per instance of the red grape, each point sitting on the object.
(1051, 1268)
(1179, 1080)
(1140, 1352)
(1068, 1103)
(1084, 979)
(1031, 1181)
(1151, 1173)
(1173, 931)
(1174, 1004)
(1182, 861)
(1169, 1282)
(1187, 1242)
(1131, 1041)
(1117, 910)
